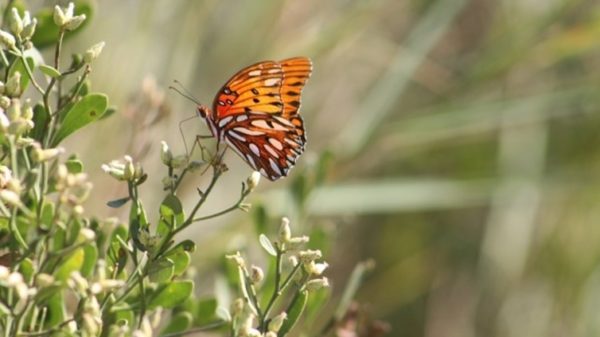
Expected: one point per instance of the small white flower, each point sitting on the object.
(309, 255)
(285, 233)
(7, 39)
(316, 268)
(93, 52)
(253, 180)
(317, 284)
(277, 322)
(256, 274)
(165, 153)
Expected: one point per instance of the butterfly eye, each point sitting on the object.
(203, 111)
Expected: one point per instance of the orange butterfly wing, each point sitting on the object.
(256, 111)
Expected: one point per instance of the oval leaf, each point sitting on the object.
(267, 245)
(171, 294)
(117, 202)
(87, 110)
(178, 323)
(49, 70)
(294, 312)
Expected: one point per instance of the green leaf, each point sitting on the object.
(20, 67)
(181, 260)
(118, 202)
(46, 32)
(178, 323)
(267, 245)
(205, 311)
(56, 310)
(49, 70)
(171, 294)
(294, 312)
(26, 268)
(87, 110)
(260, 218)
(40, 120)
(73, 263)
(161, 270)
(172, 211)
(90, 260)
(74, 165)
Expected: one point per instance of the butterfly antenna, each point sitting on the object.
(184, 92)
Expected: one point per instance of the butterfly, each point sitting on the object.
(257, 114)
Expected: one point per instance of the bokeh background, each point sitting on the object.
(457, 141)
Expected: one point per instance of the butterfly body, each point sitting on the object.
(256, 114)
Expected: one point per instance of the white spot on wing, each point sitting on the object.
(224, 121)
(251, 161)
(271, 81)
(241, 118)
(235, 135)
(254, 149)
(271, 151)
(276, 143)
(284, 121)
(248, 132)
(259, 123)
(263, 172)
(275, 167)
(274, 71)
(254, 73)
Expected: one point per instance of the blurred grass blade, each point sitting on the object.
(407, 59)
(356, 279)
(391, 196)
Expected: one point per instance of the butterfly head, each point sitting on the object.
(203, 111)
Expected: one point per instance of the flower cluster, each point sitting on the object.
(248, 320)
(125, 170)
(15, 282)
(10, 189)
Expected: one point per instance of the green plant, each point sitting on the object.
(68, 274)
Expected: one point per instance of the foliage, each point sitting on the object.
(65, 273)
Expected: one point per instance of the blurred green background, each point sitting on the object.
(463, 137)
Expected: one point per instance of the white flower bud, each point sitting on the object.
(317, 284)
(256, 274)
(245, 207)
(253, 180)
(14, 110)
(14, 279)
(44, 280)
(86, 234)
(41, 155)
(293, 260)
(179, 161)
(27, 111)
(11, 198)
(285, 233)
(13, 85)
(309, 255)
(297, 243)
(277, 321)
(93, 52)
(4, 100)
(4, 121)
(59, 16)
(270, 334)
(4, 272)
(7, 40)
(237, 258)
(75, 22)
(113, 171)
(129, 170)
(15, 22)
(165, 153)
(316, 268)
(236, 307)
